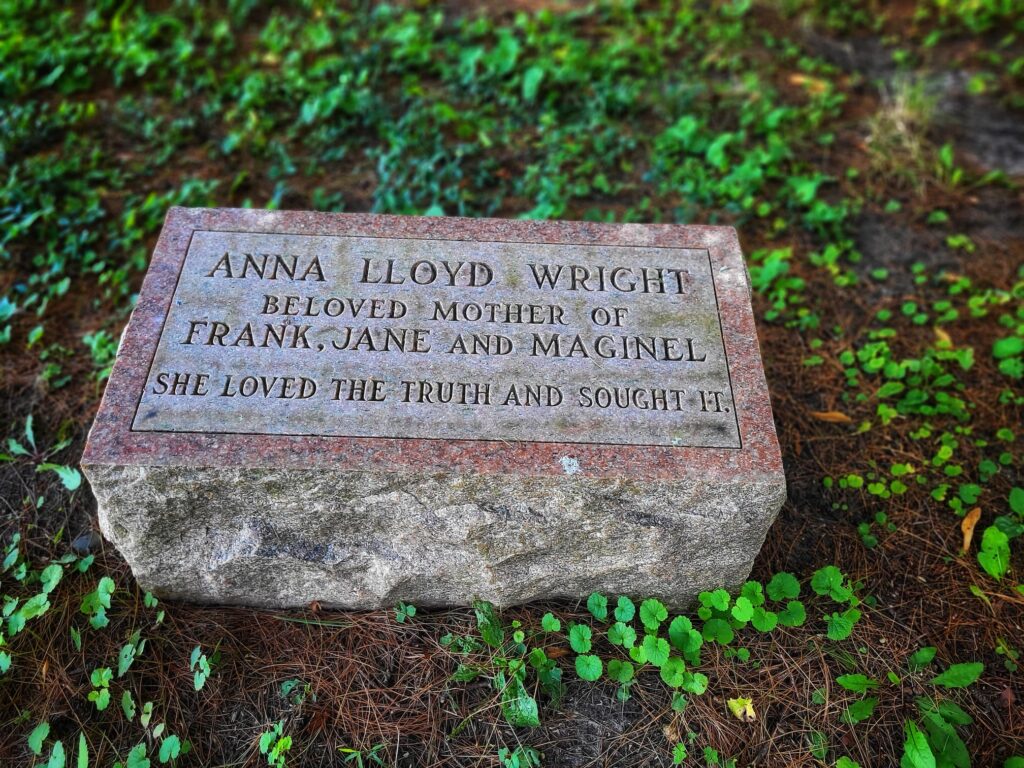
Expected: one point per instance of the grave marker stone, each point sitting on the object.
(362, 409)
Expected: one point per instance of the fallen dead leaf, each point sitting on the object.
(967, 527)
(833, 417)
(813, 84)
(944, 337)
(672, 734)
(1008, 698)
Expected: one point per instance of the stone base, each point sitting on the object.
(286, 537)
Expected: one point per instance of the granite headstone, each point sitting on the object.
(361, 409)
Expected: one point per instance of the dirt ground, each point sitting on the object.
(373, 681)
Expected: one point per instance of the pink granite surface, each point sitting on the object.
(113, 443)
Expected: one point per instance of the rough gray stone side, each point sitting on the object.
(285, 537)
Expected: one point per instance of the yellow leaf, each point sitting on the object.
(943, 337)
(813, 84)
(835, 417)
(967, 526)
(743, 709)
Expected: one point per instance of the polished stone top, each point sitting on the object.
(442, 345)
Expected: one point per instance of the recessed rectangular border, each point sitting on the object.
(163, 327)
(112, 442)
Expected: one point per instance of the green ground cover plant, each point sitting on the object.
(870, 155)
